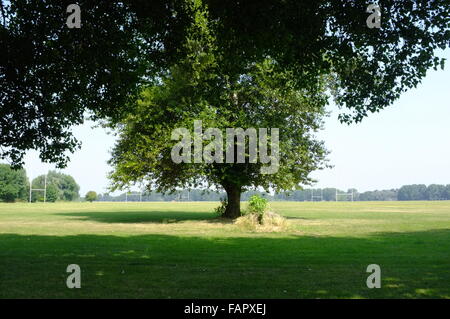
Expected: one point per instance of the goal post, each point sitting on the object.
(39, 189)
(130, 194)
(319, 197)
(347, 195)
(184, 196)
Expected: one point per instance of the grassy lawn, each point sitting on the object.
(179, 250)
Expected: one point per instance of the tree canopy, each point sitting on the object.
(13, 184)
(52, 76)
(226, 83)
(91, 196)
(199, 89)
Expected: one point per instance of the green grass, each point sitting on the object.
(179, 250)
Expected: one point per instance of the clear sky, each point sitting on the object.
(407, 143)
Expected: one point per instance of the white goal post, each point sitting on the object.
(185, 197)
(320, 197)
(39, 189)
(348, 195)
(127, 194)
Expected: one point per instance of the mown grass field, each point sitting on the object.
(180, 250)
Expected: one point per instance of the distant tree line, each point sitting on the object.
(15, 186)
(422, 192)
(407, 192)
(185, 195)
(60, 187)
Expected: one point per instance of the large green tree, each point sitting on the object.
(13, 184)
(214, 86)
(200, 88)
(51, 75)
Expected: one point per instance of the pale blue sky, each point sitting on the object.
(407, 143)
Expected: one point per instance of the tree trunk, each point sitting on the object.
(233, 209)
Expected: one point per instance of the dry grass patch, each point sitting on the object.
(270, 222)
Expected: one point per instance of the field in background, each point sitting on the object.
(180, 250)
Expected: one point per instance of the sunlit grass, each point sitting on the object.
(181, 250)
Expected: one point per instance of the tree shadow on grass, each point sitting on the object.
(296, 218)
(146, 216)
(413, 265)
